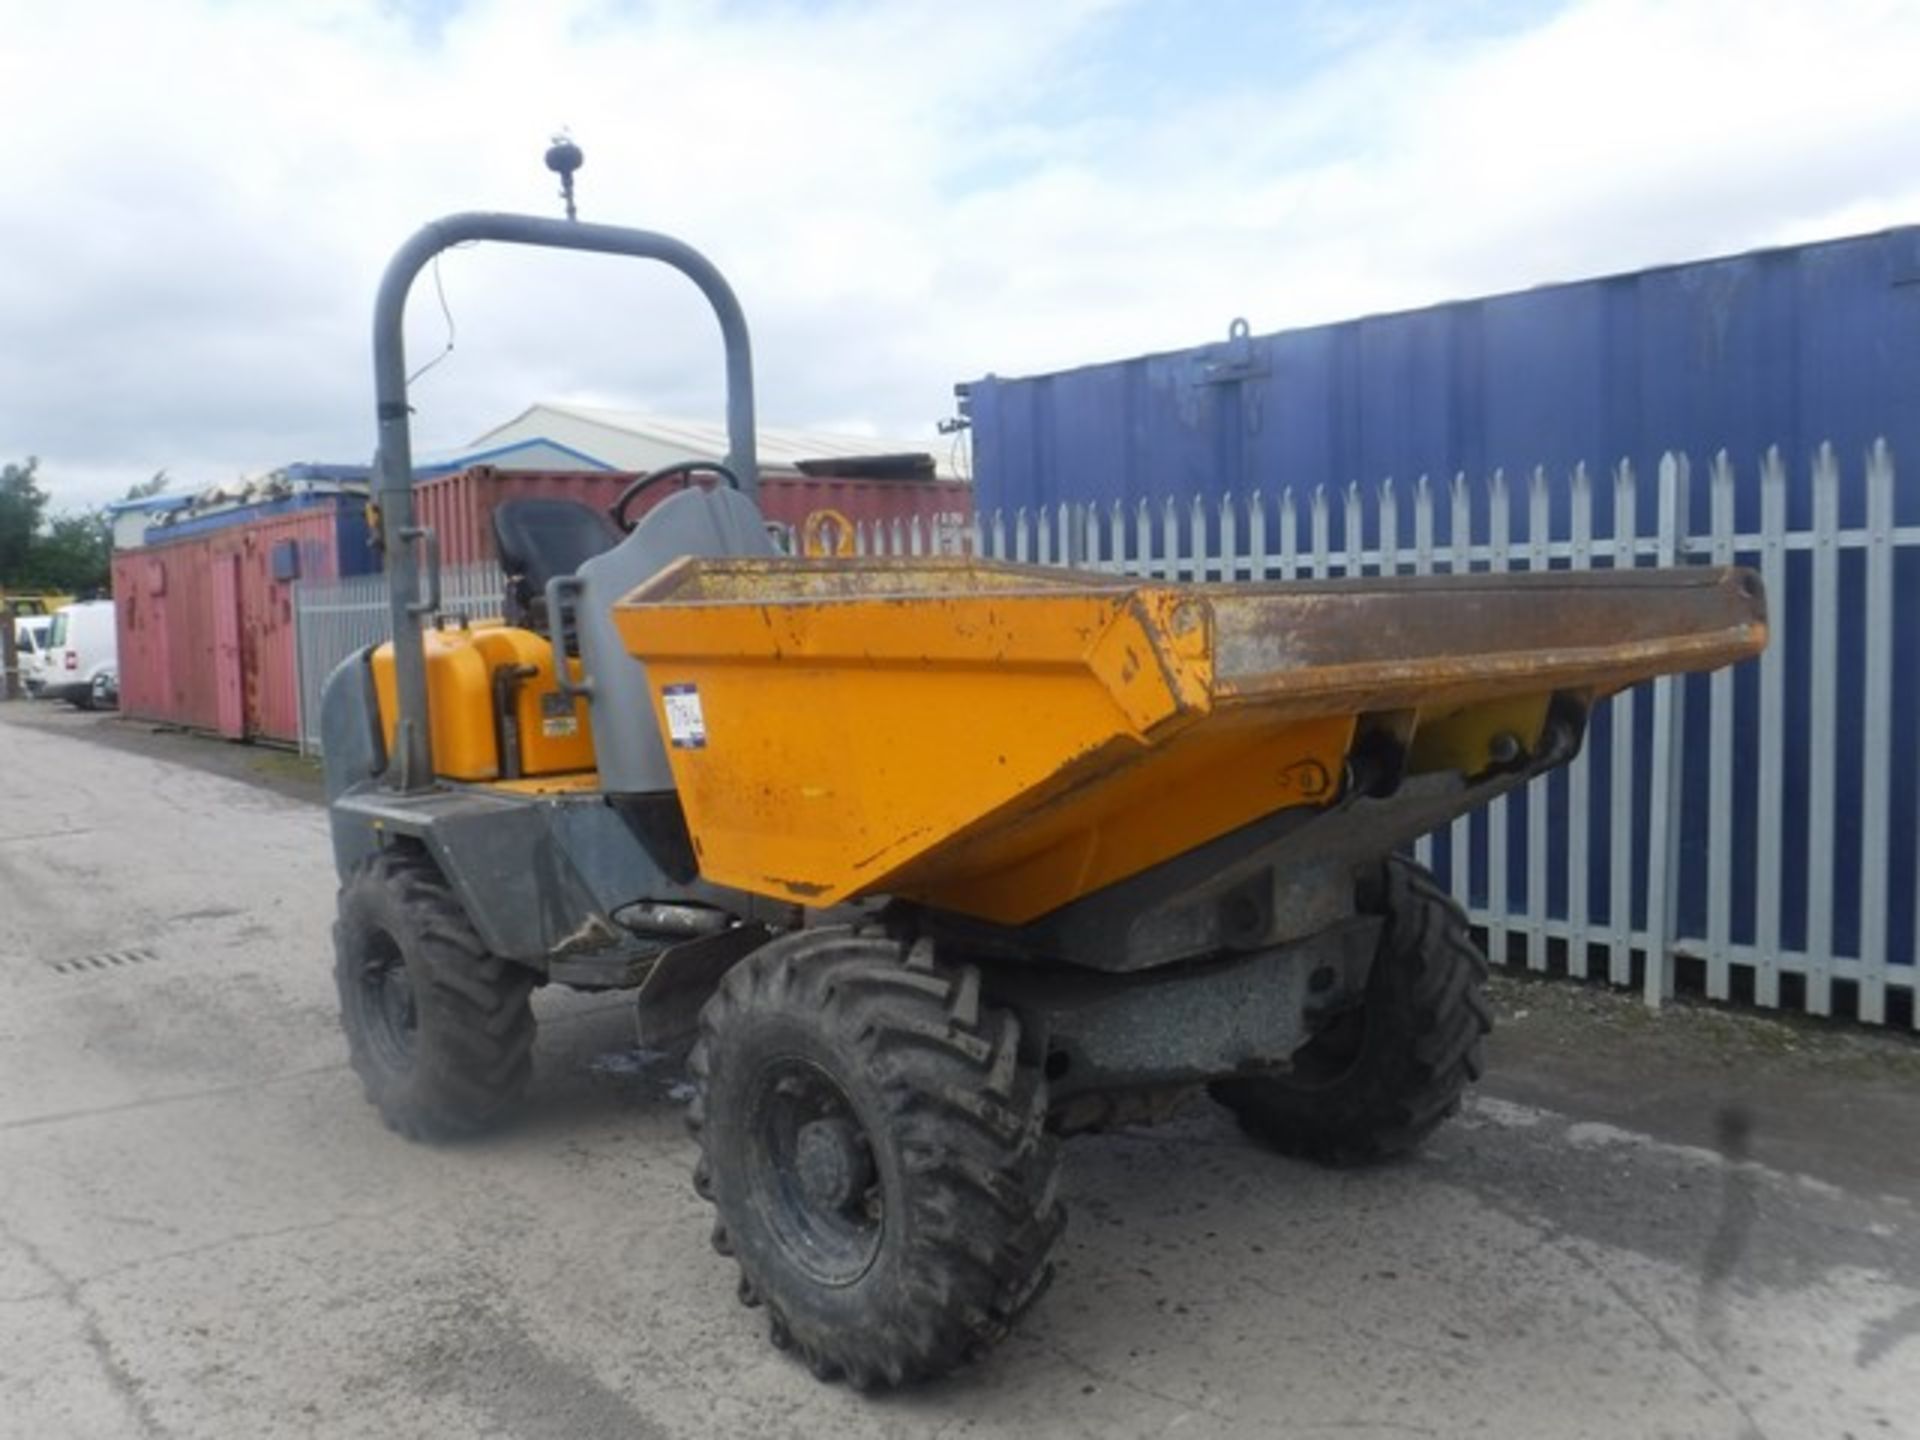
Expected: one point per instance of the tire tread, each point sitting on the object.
(967, 1119)
(1427, 996)
(479, 1060)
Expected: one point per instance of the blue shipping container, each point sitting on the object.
(1787, 348)
(1782, 347)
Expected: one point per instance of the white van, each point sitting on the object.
(30, 649)
(81, 665)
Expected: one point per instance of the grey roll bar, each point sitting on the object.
(410, 767)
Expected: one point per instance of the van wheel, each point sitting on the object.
(439, 1031)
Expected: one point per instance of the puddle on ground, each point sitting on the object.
(636, 1061)
(658, 1070)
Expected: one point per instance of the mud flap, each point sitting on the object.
(683, 979)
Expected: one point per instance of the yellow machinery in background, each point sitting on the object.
(33, 602)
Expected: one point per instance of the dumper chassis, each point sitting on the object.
(910, 951)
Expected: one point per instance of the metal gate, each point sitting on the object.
(337, 618)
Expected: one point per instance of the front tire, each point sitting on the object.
(439, 1031)
(1378, 1080)
(874, 1145)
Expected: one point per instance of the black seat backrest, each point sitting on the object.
(540, 539)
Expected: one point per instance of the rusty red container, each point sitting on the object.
(459, 507)
(205, 618)
(806, 502)
(205, 608)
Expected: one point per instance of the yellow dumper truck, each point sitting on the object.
(936, 860)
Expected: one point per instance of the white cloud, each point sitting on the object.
(201, 194)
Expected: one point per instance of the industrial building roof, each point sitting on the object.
(631, 440)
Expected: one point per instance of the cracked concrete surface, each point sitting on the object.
(205, 1232)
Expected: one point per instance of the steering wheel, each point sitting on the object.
(618, 510)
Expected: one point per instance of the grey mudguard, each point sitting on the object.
(539, 876)
(698, 521)
(355, 757)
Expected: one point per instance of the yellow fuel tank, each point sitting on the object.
(497, 713)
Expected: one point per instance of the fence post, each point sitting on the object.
(1538, 525)
(300, 668)
(1769, 873)
(1624, 706)
(1460, 562)
(1320, 530)
(1498, 812)
(1663, 818)
(1877, 742)
(1580, 776)
(1720, 752)
(1387, 502)
(1355, 526)
(1823, 731)
(1424, 849)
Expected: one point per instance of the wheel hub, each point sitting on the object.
(391, 1009)
(396, 998)
(834, 1164)
(812, 1172)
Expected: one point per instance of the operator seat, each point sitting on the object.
(628, 748)
(539, 539)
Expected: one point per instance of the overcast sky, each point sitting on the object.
(200, 194)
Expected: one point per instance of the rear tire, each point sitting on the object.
(1378, 1080)
(874, 1145)
(439, 1031)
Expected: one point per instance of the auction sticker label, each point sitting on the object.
(686, 726)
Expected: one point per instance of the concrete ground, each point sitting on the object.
(204, 1231)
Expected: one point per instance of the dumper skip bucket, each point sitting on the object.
(1000, 740)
